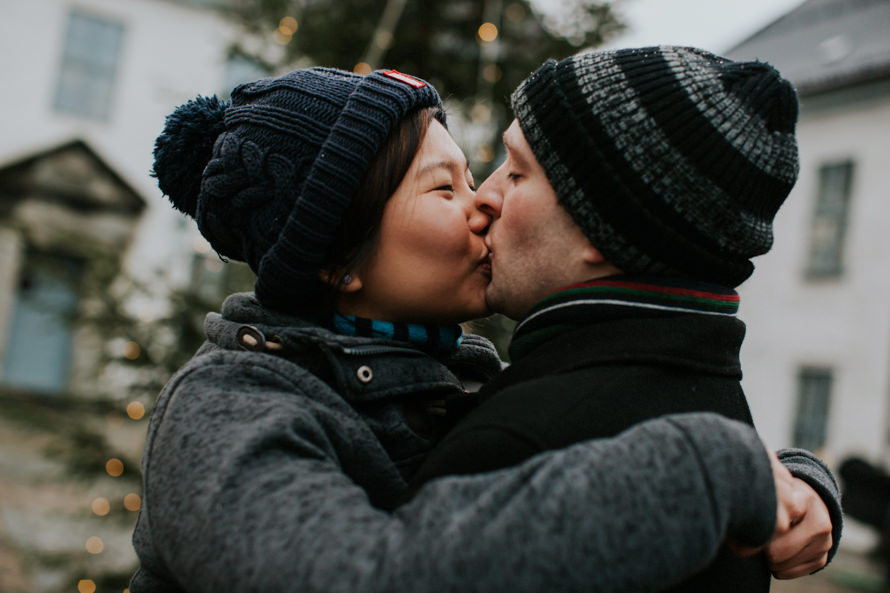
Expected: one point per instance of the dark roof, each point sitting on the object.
(825, 44)
(85, 181)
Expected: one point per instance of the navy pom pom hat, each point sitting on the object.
(269, 175)
(671, 160)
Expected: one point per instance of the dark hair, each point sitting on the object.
(358, 233)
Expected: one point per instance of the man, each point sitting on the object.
(636, 188)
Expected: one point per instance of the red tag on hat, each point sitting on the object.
(405, 78)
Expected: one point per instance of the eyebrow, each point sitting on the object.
(451, 166)
(511, 151)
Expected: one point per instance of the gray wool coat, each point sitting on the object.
(277, 469)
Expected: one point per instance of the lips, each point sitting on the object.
(485, 264)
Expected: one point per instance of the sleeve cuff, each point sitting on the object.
(812, 470)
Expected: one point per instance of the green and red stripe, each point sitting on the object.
(619, 297)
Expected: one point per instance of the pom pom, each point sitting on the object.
(184, 148)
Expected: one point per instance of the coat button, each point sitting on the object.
(364, 374)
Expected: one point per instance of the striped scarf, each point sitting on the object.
(437, 339)
(618, 297)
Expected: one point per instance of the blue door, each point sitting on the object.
(38, 346)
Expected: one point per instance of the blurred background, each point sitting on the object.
(103, 287)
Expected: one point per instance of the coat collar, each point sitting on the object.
(360, 369)
(619, 297)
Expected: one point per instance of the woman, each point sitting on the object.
(275, 458)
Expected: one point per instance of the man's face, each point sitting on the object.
(536, 248)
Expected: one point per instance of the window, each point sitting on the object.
(830, 219)
(38, 349)
(813, 399)
(89, 66)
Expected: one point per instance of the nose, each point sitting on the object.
(488, 196)
(477, 219)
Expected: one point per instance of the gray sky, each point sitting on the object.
(715, 25)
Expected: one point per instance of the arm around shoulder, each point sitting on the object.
(250, 486)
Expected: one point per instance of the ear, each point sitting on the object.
(596, 263)
(592, 256)
(335, 278)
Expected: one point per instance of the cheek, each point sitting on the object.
(436, 233)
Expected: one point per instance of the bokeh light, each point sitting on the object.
(282, 38)
(94, 545)
(488, 32)
(362, 68)
(492, 73)
(288, 25)
(86, 586)
(132, 502)
(485, 153)
(384, 39)
(480, 113)
(135, 410)
(131, 350)
(114, 467)
(101, 506)
(515, 12)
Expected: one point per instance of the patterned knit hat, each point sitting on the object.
(269, 176)
(671, 160)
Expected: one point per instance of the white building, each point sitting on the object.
(86, 85)
(817, 353)
(100, 75)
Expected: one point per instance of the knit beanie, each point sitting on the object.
(269, 175)
(671, 160)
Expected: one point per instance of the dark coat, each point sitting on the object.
(597, 381)
(276, 470)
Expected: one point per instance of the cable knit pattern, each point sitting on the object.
(288, 154)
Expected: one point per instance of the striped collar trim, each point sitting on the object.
(618, 297)
(663, 294)
(431, 338)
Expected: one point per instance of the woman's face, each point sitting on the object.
(430, 264)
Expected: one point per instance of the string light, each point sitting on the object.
(132, 502)
(515, 12)
(485, 153)
(481, 113)
(131, 350)
(383, 39)
(288, 25)
(94, 545)
(492, 73)
(114, 467)
(101, 506)
(86, 586)
(135, 410)
(281, 37)
(487, 32)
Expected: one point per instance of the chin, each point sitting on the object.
(470, 313)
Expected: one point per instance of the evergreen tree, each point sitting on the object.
(475, 52)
